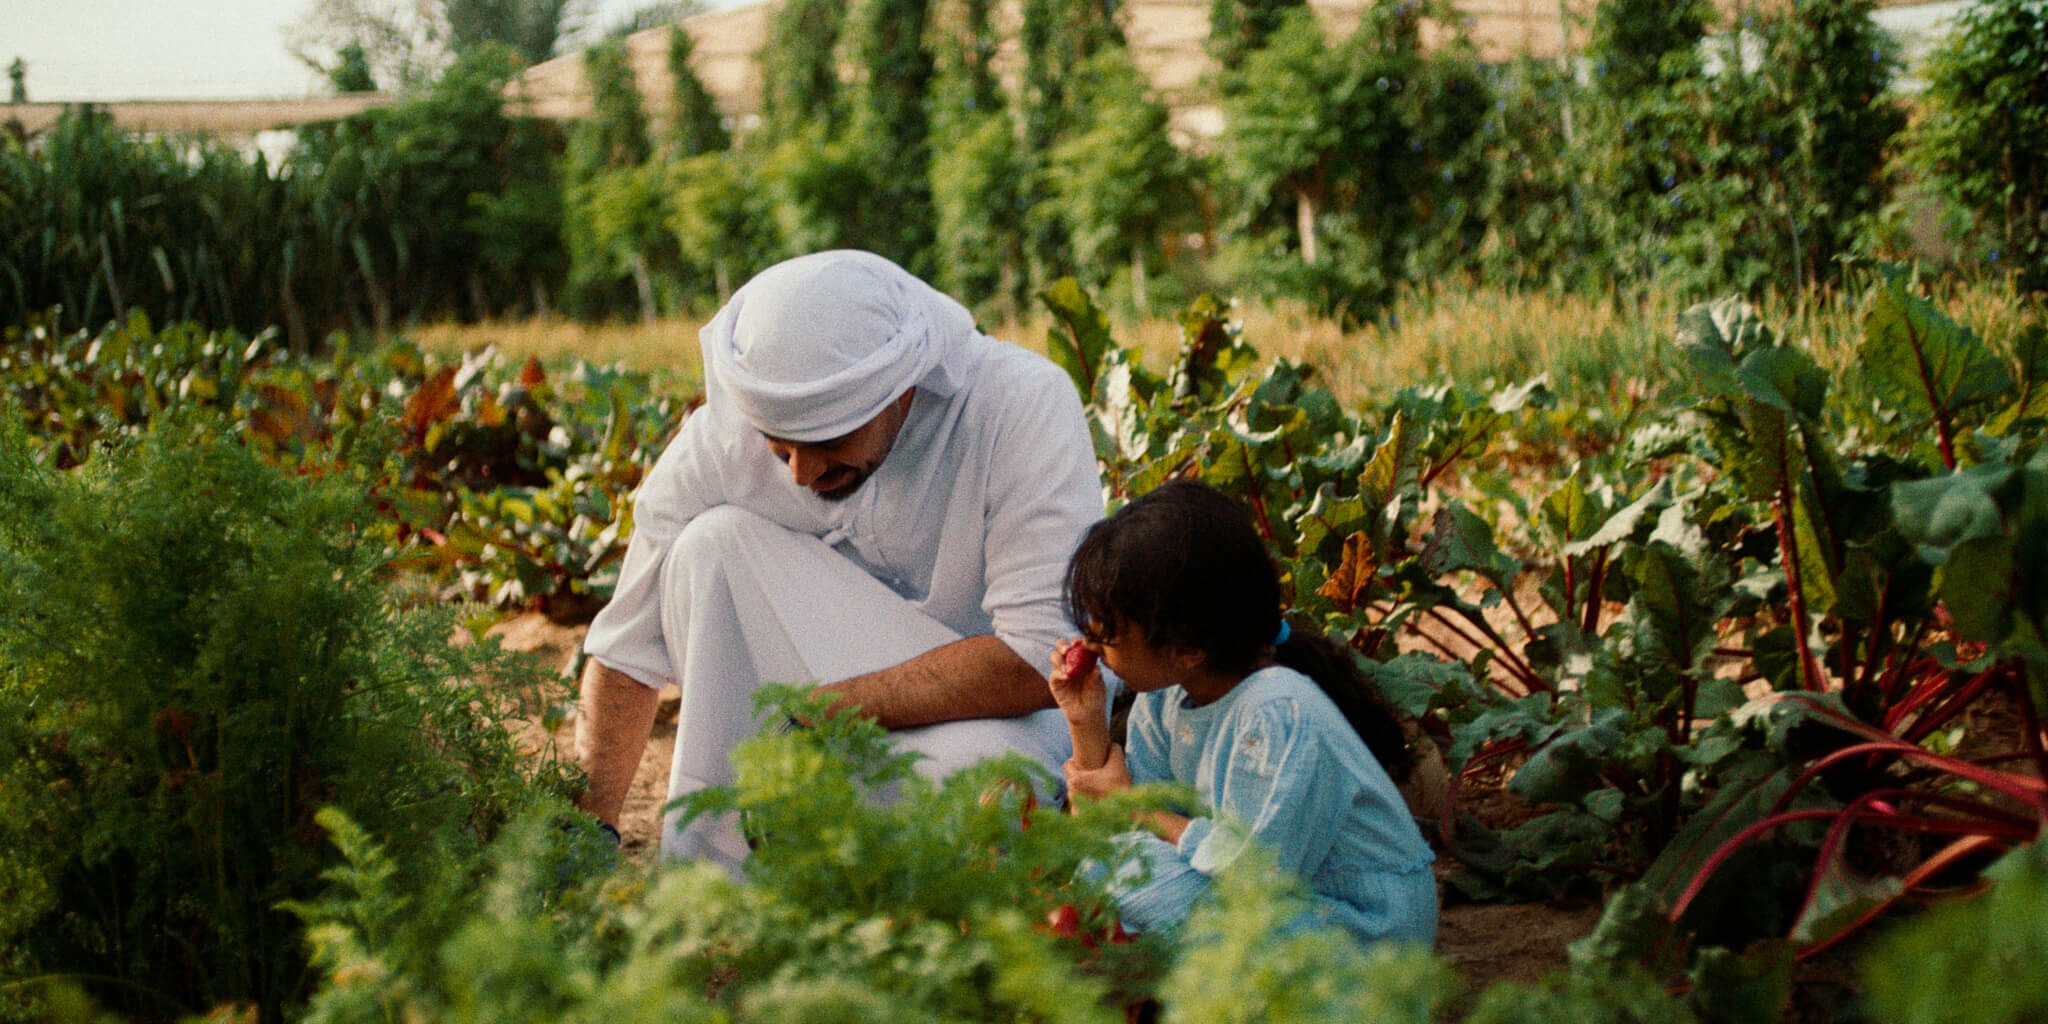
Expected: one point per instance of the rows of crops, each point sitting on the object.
(1761, 663)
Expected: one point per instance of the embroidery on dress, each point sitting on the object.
(1252, 751)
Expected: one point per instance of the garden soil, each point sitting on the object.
(1487, 942)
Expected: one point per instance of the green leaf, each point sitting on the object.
(2030, 402)
(1635, 928)
(1527, 718)
(1816, 569)
(1327, 521)
(1568, 767)
(1460, 541)
(1415, 682)
(1841, 895)
(1624, 524)
(1715, 337)
(1939, 514)
(1784, 378)
(1081, 341)
(1755, 985)
(1750, 786)
(1977, 958)
(1920, 362)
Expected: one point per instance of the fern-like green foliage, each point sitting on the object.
(873, 895)
(196, 654)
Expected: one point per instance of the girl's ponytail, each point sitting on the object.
(1335, 669)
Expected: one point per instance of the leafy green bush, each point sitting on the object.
(198, 654)
(1984, 140)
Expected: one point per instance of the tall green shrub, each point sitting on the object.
(890, 120)
(197, 655)
(1984, 138)
(1352, 164)
(1118, 182)
(1238, 27)
(1056, 37)
(695, 124)
(799, 73)
(613, 209)
(976, 167)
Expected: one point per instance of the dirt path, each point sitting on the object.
(1486, 942)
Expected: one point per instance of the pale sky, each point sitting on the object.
(106, 50)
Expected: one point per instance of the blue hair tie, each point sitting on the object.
(1285, 632)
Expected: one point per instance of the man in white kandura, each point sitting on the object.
(876, 498)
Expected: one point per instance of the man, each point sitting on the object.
(874, 497)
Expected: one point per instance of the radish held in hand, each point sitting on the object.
(1078, 660)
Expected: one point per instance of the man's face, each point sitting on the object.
(835, 468)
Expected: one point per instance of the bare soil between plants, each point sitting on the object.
(1486, 942)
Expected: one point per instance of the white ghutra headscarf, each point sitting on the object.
(814, 347)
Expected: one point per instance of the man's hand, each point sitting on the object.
(978, 677)
(613, 718)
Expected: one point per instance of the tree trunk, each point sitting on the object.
(1305, 224)
(1006, 284)
(1138, 279)
(643, 282)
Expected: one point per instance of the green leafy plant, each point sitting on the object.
(201, 656)
(1969, 957)
(1984, 135)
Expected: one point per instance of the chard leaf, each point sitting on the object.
(1623, 524)
(1328, 516)
(1941, 513)
(2031, 400)
(1634, 928)
(1566, 768)
(1840, 897)
(1920, 362)
(1716, 337)
(1816, 570)
(1081, 341)
(1416, 683)
(1389, 475)
(1569, 511)
(1527, 718)
(1755, 984)
(1784, 378)
(1461, 541)
(1681, 593)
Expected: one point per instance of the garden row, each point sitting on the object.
(1736, 651)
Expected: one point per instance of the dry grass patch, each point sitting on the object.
(667, 345)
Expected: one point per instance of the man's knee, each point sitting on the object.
(711, 541)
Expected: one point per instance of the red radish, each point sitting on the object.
(1064, 921)
(1077, 661)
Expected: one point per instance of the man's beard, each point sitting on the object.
(844, 491)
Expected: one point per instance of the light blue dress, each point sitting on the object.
(1277, 756)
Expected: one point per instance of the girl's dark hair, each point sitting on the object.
(1184, 567)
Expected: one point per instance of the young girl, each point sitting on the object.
(1276, 730)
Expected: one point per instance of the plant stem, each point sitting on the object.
(1596, 593)
(1811, 676)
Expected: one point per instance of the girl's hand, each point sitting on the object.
(1077, 688)
(1110, 776)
